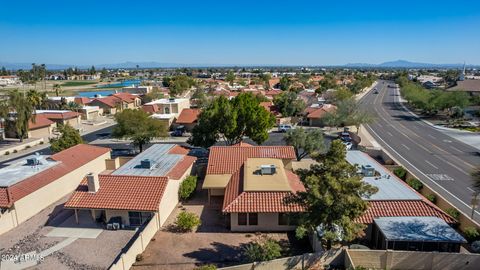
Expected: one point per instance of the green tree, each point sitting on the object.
(230, 77)
(57, 88)
(334, 196)
(305, 142)
(264, 249)
(289, 104)
(187, 187)
(231, 120)
(69, 137)
(187, 222)
(73, 106)
(34, 98)
(285, 83)
(137, 126)
(24, 112)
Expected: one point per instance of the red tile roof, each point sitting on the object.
(40, 122)
(179, 150)
(121, 192)
(60, 115)
(188, 116)
(82, 100)
(402, 209)
(228, 159)
(238, 201)
(179, 170)
(322, 111)
(69, 160)
(110, 101)
(150, 108)
(126, 97)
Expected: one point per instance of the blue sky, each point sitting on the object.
(239, 32)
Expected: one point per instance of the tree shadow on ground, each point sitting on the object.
(219, 254)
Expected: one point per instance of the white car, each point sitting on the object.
(348, 145)
(284, 128)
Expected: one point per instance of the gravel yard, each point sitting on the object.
(81, 253)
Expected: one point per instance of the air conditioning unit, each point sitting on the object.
(368, 171)
(146, 164)
(267, 169)
(33, 161)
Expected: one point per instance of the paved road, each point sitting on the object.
(437, 159)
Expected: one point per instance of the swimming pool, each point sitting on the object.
(121, 84)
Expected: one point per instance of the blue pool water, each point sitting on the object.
(122, 84)
(92, 94)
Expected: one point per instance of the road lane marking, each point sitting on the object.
(428, 162)
(426, 176)
(469, 188)
(380, 125)
(389, 133)
(433, 137)
(440, 177)
(405, 146)
(456, 149)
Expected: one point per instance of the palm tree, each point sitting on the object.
(476, 187)
(34, 98)
(24, 112)
(72, 106)
(57, 88)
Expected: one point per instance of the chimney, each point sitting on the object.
(93, 183)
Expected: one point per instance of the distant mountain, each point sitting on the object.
(407, 64)
(132, 65)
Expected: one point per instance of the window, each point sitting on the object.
(283, 219)
(138, 218)
(286, 219)
(167, 110)
(252, 218)
(242, 219)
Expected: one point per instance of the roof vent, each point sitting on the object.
(368, 171)
(267, 169)
(34, 161)
(172, 99)
(146, 164)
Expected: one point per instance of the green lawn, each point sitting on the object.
(78, 83)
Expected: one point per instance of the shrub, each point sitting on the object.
(42, 142)
(15, 151)
(400, 172)
(187, 187)
(431, 197)
(28, 146)
(7, 153)
(471, 233)
(139, 257)
(187, 222)
(453, 213)
(263, 250)
(389, 162)
(415, 184)
(206, 267)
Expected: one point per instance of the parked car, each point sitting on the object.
(348, 145)
(345, 137)
(178, 131)
(284, 128)
(375, 91)
(199, 152)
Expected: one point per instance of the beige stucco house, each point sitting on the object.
(44, 180)
(143, 186)
(251, 184)
(167, 106)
